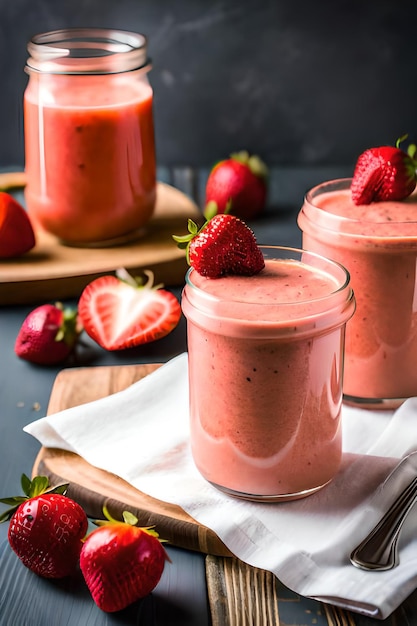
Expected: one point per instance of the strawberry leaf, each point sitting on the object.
(412, 148)
(61, 489)
(258, 167)
(192, 227)
(13, 500)
(211, 209)
(129, 518)
(242, 156)
(31, 489)
(26, 484)
(37, 486)
(181, 239)
(400, 140)
(8, 513)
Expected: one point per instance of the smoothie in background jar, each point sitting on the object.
(377, 243)
(266, 369)
(89, 135)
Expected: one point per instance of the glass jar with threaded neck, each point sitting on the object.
(89, 135)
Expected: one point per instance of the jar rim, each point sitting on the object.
(275, 319)
(87, 51)
(393, 232)
(288, 254)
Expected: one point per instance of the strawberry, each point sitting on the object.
(118, 312)
(46, 528)
(16, 231)
(224, 245)
(121, 562)
(240, 181)
(384, 173)
(48, 334)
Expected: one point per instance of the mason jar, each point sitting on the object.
(89, 135)
(377, 243)
(265, 375)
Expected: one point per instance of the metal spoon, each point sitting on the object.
(378, 551)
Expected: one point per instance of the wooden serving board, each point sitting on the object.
(55, 271)
(92, 487)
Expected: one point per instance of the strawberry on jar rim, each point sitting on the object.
(384, 173)
(121, 562)
(223, 245)
(240, 183)
(48, 334)
(46, 528)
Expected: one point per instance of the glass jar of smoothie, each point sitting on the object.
(89, 135)
(377, 243)
(265, 373)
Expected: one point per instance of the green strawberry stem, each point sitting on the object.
(69, 326)
(255, 163)
(128, 518)
(411, 150)
(211, 209)
(183, 241)
(137, 281)
(31, 489)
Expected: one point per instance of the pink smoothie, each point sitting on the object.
(90, 155)
(265, 357)
(377, 243)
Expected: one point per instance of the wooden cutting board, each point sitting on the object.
(92, 487)
(55, 271)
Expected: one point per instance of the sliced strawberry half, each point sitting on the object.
(119, 313)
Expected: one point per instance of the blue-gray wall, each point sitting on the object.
(299, 82)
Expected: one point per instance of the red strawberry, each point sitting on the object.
(121, 562)
(240, 181)
(384, 173)
(48, 334)
(119, 313)
(46, 528)
(16, 231)
(224, 245)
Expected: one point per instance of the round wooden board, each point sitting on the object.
(54, 271)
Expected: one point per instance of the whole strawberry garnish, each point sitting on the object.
(224, 245)
(121, 562)
(239, 181)
(16, 231)
(384, 173)
(46, 528)
(48, 334)
(120, 312)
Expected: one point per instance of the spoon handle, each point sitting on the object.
(378, 551)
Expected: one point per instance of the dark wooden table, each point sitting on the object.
(181, 598)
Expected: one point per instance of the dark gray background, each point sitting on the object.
(298, 82)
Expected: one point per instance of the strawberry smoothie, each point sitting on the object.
(89, 147)
(377, 243)
(266, 368)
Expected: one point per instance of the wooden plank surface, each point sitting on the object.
(240, 595)
(55, 271)
(92, 487)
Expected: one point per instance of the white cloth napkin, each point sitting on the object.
(142, 435)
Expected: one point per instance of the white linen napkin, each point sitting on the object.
(142, 435)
